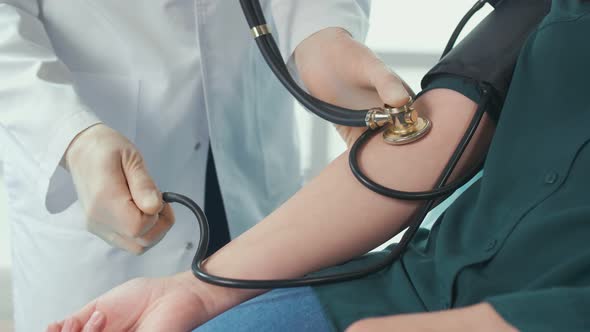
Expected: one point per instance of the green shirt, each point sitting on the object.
(519, 238)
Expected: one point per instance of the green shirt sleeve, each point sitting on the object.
(553, 309)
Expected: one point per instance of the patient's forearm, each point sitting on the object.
(334, 218)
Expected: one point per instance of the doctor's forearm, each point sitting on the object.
(334, 218)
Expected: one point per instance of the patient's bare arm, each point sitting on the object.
(334, 218)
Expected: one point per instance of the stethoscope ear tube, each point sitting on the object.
(271, 54)
(326, 111)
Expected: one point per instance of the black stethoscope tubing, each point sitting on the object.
(342, 116)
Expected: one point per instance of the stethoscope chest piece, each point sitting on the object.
(396, 136)
(406, 125)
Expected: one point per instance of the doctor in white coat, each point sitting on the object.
(103, 103)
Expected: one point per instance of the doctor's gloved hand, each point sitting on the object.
(122, 203)
(338, 69)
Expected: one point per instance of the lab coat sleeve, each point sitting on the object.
(40, 111)
(552, 309)
(297, 20)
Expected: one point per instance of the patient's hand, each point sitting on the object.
(164, 304)
(339, 70)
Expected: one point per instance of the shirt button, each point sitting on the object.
(551, 177)
(189, 246)
(197, 146)
(491, 245)
(445, 305)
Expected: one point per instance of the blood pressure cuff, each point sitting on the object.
(489, 53)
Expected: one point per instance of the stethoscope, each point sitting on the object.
(399, 126)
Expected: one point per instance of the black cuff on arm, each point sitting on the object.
(552, 309)
(489, 53)
(464, 86)
(467, 87)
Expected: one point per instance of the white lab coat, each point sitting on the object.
(171, 75)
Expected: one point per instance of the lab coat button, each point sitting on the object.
(197, 146)
(189, 246)
(551, 177)
(491, 245)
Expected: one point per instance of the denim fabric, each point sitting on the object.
(284, 310)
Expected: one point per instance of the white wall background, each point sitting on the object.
(409, 36)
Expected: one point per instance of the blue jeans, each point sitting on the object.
(284, 310)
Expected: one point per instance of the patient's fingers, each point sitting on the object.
(69, 325)
(85, 314)
(55, 327)
(96, 322)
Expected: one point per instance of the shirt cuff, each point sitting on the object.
(53, 178)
